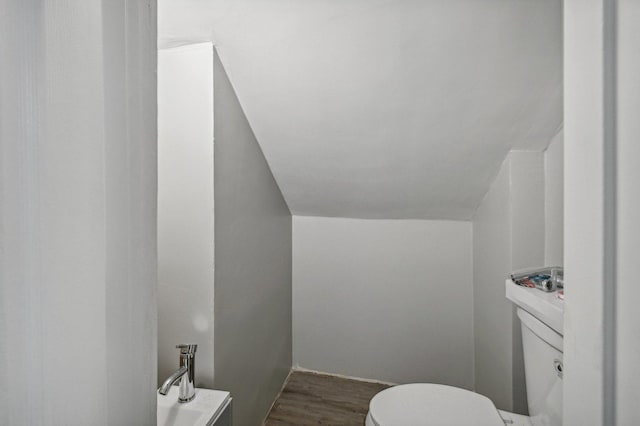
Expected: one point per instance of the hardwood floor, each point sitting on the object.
(318, 399)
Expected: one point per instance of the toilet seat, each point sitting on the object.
(431, 404)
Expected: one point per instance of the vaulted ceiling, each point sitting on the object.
(385, 108)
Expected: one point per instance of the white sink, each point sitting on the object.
(547, 307)
(203, 410)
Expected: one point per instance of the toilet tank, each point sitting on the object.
(543, 350)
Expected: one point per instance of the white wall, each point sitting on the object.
(601, 193)
(508, 234)
(585, 234)
(383, 299)
(77, 213)
(492, 312)
(554, 201)
(628, 248)
(185, 208)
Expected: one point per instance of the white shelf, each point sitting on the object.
(547, 307)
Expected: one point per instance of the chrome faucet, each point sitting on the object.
(186, 374)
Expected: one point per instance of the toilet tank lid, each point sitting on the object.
(546, 307)
(432, 404)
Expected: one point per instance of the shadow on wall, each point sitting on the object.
(252, 304)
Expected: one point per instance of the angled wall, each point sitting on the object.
(253, 264)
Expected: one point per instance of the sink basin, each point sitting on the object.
(204, 410)
(547, 307)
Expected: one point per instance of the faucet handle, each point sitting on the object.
(187, 349)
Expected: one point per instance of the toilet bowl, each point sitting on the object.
(432, 404)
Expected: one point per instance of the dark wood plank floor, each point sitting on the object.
(317, 399)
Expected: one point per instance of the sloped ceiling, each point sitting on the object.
(385, 108)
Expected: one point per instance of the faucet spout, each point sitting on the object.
(164, 389)
(186, 374)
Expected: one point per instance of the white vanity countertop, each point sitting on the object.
(203, 410)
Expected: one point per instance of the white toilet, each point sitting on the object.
(439, 405)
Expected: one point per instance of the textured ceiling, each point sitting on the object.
(385, 109)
